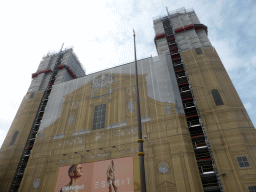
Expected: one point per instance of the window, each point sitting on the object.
(31, 95)
(99, 116)
(198, 51)
(243, 162)
(14, 138)
(252, 188)
(217, 97)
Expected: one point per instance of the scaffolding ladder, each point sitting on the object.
(209, 174)
(33, 133)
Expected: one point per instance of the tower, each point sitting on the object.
(215, 115)
(54, 68)
(79, 132)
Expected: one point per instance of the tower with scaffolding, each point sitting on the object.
(220, 128)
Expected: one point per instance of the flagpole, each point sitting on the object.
(140, 140)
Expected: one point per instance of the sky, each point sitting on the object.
(102, 37)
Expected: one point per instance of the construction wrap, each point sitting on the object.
(156, 80)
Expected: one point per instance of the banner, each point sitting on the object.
(114, 175)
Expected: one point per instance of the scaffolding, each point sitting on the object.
(209, 174)
(189, 32)
(33, 133)
(175, 13)
(41, 77)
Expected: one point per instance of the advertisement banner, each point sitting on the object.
(114, 175)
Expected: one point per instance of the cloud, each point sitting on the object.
(226, 52)
(248, 106)
(3, 134)
(5, 123)
(253, 60)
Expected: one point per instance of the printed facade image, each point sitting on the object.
(109, 175)
(107, 100)
(74, 172)
(79, 132)
(97, 112)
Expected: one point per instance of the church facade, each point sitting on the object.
(77, 132)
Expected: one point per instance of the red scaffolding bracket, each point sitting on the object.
(197, 136)
(39, 72)
(71, 73)
(48, 70)
(201, 26)
(175, 56)
(191, 26)
(159, 36)
(178, 30)
(203, 159)
(61, 66)
(192, 116)
(187, 99)
(179, 70)
(188, 27)
(34, 75)
(183, 84)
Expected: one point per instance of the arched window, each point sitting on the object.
(71, 119)
(14, 137)
(217, 97)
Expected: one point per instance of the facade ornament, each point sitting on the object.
(99, 136)
(71, 119)
(131, 151)
(103, 81)
(74, 105)
(163, 169)
(59, 136)
(131, 106)
(36, 184)
(130, 90)
(167, 109)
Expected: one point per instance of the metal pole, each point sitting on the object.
(167, 11)
(61, 47)
(140, 140)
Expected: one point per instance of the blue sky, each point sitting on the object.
(101, 33)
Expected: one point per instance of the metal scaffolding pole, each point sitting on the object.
(140, 140)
